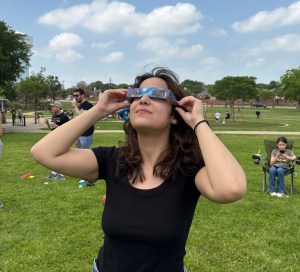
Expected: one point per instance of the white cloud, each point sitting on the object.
(103, 45)
(102, 16)
(165, 20)
(256, 63)
(109, 17)
(218, 33)
(266, 20)
(285, 43)
(68, 56)
(165, 48)
(61, 47)
(66, 18)
(64, 41)
(113, 57)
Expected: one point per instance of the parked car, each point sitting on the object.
(260, 105)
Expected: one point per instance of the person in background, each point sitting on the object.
(86, 139)
(227, 115)
(154, 180)
(279, 162)
(20, 115)
(257, 114)
(217, 117)
(58, 119)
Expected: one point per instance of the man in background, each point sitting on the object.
(86, 139)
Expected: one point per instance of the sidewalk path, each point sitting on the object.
(41, 127)
(37, 128)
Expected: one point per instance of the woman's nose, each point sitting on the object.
(145, 99)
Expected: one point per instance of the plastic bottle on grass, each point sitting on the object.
(81, 183)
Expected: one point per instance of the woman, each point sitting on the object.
(279, 162)
(155, 179)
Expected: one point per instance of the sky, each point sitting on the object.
(114, 41)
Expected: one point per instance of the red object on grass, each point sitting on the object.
(26, 175)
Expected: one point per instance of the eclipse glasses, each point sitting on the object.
(153, 92)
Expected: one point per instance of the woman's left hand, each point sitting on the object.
(191, 110)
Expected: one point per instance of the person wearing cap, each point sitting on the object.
(58, 119)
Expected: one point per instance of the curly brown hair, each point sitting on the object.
(183, 154)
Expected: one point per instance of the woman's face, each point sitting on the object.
(154, 114)
(281, 145)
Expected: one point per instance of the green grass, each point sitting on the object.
(50, 227)
(277, 119)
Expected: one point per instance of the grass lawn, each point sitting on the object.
(277, 119)
(55, 226)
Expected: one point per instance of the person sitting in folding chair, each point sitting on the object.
(279, 162)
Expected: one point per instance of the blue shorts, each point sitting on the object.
(95, 269)
(84, 142)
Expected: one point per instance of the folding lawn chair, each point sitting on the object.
(265, 162)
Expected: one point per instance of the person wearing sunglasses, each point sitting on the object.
(170, 157)
(85, 140)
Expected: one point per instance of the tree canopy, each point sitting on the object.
(291, 84)
(232, 88)
(192, 87)
(33, 88)
(15, 53)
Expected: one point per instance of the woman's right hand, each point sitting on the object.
(111, 101)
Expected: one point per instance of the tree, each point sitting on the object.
(274, 85)
(33, 88)
(265, 94)
(97, 85)
(69, 91)
(194, 87)
(54, 86)
(15, 53)
(291, 85)
(232, 88)
(122, 86)
(9, 91)
(187, 92)
(83, 85)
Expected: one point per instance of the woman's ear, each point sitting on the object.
(175, 117)
(174, 121)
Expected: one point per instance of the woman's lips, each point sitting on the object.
(142, 111)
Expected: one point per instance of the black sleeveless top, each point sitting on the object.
(145, 230)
